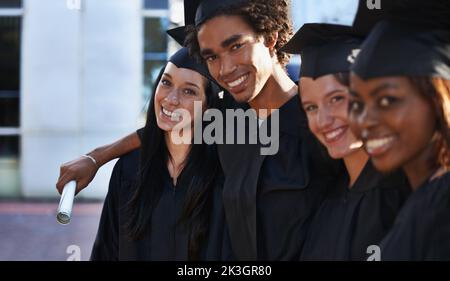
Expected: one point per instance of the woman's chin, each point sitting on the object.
(384, 166)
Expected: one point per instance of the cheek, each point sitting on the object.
(190, 105)
(260, 58)
(213, 69)
(159, 95)
(341, 112)
(313, 126)
(418, 130)
(352, 120)
(157, 103)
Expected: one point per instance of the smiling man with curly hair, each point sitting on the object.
(240, 42)
(268, 200)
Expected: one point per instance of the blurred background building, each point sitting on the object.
(76, 74)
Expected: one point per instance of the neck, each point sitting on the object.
(421, 167)
(354, 163)
(177, 156)
(278, 89)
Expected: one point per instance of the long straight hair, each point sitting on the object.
(202, 170)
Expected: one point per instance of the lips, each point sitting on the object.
(377, 146)
(335, 134)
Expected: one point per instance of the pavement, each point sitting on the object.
(29, 231)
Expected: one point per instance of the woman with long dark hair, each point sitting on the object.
(164, 200)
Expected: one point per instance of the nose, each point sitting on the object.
(324, 119)
(366, 121)
(172, 97)
(227, 67)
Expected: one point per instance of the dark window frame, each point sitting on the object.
(156, 57)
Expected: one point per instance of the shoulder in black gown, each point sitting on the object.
(422, 228)
(349, 221)
(166, 238)
(269, 200)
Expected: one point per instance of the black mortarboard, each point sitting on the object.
(324, 48)
(178, 34)
(182, 59)
(198, 11)
(413, 41)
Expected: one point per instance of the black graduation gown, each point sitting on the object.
(269, 200)
(422, 228)
(166, 240)
(351, 220)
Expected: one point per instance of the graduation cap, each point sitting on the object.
(182, 59)
(414, 41)
(178, 34)
(324, 48)
(197, 12)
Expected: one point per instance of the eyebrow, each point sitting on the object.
(383, 87)
(225, 43)
(192, 84)
(326, 95)
(187, 83)
(334, 92)
(377, 90)
(230, 40)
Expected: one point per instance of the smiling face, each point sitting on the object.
(394, 121)
(237, 58)
(175, 95)
(325, 102)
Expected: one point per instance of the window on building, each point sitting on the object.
(156, 4)
(10, 40)
(156, 22)
(15, 3)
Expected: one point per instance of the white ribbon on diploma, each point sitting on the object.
(64, 211)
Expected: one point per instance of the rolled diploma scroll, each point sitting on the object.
(64, 211)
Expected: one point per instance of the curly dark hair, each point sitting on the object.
(264, 16)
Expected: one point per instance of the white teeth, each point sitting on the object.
(237, 82)
(175, 116)
(166, 112)
(334, 133)
(373, 144)
(356, 145)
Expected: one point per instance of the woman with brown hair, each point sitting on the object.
(362, 203)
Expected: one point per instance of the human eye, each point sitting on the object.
(210, 58)
(386, 101)
(310, 108)
(236, 46)
(356, 106)
(189, 92)
(165, 82)
(336, 99)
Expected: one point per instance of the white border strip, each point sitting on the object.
(11, 12)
